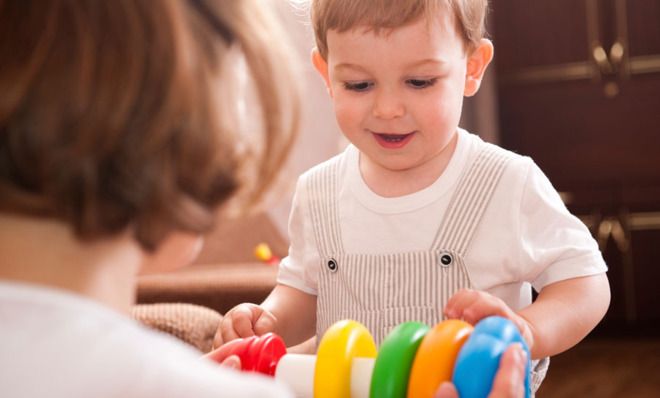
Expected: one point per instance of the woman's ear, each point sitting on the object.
(477, 63)
(177, 250)
(321, 67)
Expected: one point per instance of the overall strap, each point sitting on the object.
(472, 196)
(323, 186)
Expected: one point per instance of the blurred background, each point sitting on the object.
(578, 89)
(575, 84)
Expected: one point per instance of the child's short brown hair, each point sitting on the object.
(119, 114)
(343, 15)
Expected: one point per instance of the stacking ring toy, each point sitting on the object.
(264, 354)
(257, 353)
(480, 357)
(238, 347)
(436, 356)
(394, 361)
(342, 342)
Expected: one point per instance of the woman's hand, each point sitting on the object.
(221, 356)
(509, 380)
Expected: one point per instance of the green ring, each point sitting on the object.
(394, 361)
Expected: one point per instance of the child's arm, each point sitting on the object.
(565, 312)
(295, 311)
(288, 312)
(562, 315)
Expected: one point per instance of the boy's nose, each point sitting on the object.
(388, 105)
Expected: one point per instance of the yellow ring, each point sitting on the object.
(436, 355)
(342, 342)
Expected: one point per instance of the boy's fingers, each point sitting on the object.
(217, 339)
(458, 302)
(242, 319)
(227, 329)
(265, 323)
(486, 306)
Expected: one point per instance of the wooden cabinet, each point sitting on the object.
(579, 91)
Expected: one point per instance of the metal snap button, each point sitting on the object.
(332, 265)
(445, 259)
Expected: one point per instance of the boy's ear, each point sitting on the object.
(321, 66)
(477, 63)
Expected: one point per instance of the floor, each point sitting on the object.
(605, 368)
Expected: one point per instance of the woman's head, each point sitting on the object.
(122, 114)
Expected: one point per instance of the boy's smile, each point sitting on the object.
(393, 141)
(398, 96)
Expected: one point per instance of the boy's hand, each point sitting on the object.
(244, 320)
(473, 305)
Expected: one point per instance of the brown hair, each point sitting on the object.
(120, 114)
(343, 15)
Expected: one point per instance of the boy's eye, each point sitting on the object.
(358, 86)
(421, 83)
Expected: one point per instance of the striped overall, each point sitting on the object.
(382, 291)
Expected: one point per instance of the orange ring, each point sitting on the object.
(436, 355)
(342, 342)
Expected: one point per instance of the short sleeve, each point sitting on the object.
(300, 268)
(555, 243)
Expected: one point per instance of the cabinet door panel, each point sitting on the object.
(646, 258)
(578, 136)
(591, 126)
(643, 27)
(522, 27)
(576, 132)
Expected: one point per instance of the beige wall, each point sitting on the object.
(319, 137)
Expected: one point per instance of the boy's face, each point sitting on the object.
(398, 94)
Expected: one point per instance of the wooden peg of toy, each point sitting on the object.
(296, 371)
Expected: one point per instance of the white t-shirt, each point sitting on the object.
(526, 235)
(55, 344)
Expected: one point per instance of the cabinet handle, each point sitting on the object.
(611, 227)
(597, 52)
(608, 64)
(602, 60)
(613, 63)
(618, 53)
